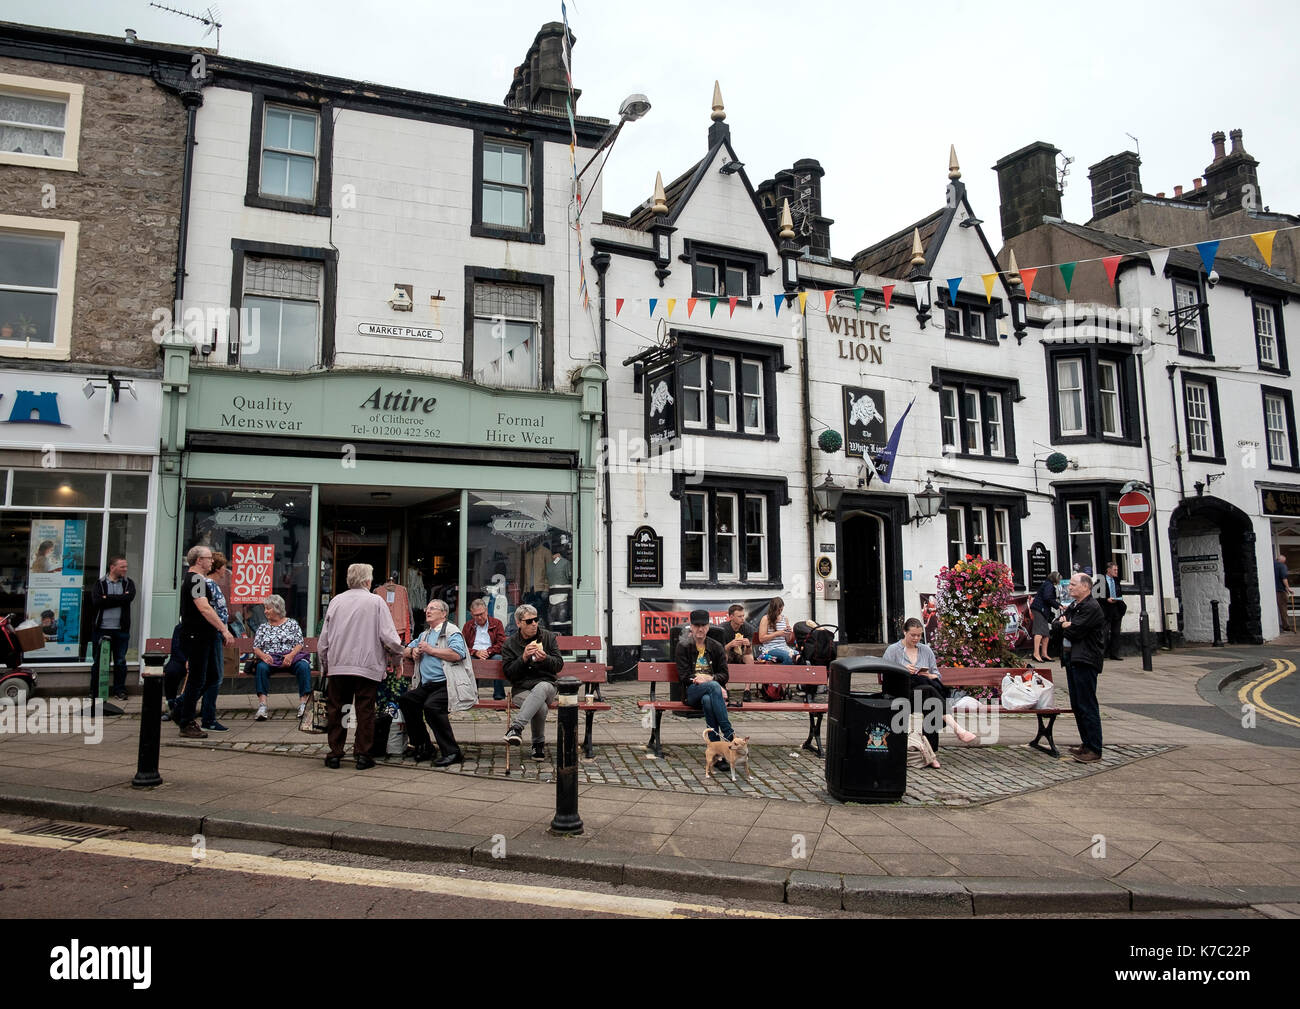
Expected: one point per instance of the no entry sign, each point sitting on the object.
(1134, 509)
(251, 567)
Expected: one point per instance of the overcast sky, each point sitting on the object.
(875, 92)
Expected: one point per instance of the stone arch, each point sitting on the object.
(1204, 519)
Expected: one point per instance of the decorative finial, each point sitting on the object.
(661, 201)
(787, 223)
(954, 169)
(719, 113)
(918, 254)
(1013, 271)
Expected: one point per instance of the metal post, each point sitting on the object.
(146, 765)
(1144, 632)
(101, 672)
(1214, 615)
(567, 822)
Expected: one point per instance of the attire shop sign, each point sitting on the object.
(251, 565)
(864, 422)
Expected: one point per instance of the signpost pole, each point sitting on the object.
(1135, 510)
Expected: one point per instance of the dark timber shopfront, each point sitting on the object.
(451, 490)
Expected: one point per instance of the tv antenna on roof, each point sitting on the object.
(208, 17)
(1062, 172)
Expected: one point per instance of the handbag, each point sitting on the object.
(1026, 692)
(314, 718)
(396, 742)
(250, 666)
(462, 690)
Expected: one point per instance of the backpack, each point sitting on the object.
(816, 643)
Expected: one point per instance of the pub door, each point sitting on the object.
(862, 578)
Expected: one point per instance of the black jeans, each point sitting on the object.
(360, 692)
(202, 675)
(1082, 679)
(922, 689)
(1113, 616)
(428, 700)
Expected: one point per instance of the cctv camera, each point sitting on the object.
(1213, 278)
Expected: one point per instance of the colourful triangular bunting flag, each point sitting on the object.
(857, 298)
(1264, 242)
(1158, 257)
(690, 306)
(1208, 251)
(672, 303)
(1027, 275)
(776, 304)
(828, 295)
(1111, 263)
(953, 284)
(888, 292)
(618, 306)
(989, 280)
(731, 304)
(803, 302)
(1067, 274)
(653, 303)
(713, 306)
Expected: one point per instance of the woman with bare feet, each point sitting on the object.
(924, 682)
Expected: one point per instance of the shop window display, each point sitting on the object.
(520, 550)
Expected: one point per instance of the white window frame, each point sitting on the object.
(959, 512)
(1121, 544)
(973, 427)
(732, 573)
(526, 188)
(993, 407)
(747, 396)
(72, 95)
(752, 574)
(1001, 536)
(1185, 296)
(700, 574)
(535, 320)
(947, 417)
(1071, 535)
(1110, 395)
(975, 326)
(697, 391)
(1283, 456)
(1200, 422)
(719, 270)
(318, 301)
(289, 152)
(1266, 333)
(727, 365)
(1063, 389)
(68, 233)
(979, 533)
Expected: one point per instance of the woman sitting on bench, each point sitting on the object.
(775, 634)
(924, 681)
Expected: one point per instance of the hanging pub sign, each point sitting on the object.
(1281, 502)
(1040, 565)
(645, 557)
(661, 410)
(864, 422)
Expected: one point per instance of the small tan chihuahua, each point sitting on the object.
(734, 751)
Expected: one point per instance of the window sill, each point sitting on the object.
(1269, 369)
(730, 585)
(506, 234)
(1281, 468)
(286, 206)
(1214, 460)
(1195, 353)
(15, 348)
(739, 435)
(976, 457)
(970, 339)
(38, 161)
(724, 299)
(1092, 439)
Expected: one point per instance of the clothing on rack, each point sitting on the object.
(415, 589)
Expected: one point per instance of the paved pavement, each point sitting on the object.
(1191, 810)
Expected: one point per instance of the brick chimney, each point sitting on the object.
(1027, 188)
(1116, 183)
(802, 186)
(539, 80)
(1232, 179)
(1178, 191)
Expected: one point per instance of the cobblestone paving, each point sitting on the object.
(969, 776)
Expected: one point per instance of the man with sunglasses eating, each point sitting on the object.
(531, 661)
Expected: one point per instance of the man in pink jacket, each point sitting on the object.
(358, 632)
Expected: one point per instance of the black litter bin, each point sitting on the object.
(865, 760)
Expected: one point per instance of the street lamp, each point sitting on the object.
(826, 497)
(927, 505)
(632, 109)
(1019, 301)
(920, 280)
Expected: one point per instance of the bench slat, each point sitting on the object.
(666, 672)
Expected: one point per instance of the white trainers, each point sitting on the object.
(261, 713)
(302, 709)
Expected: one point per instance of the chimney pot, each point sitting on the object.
(1178, 191)
(1160, 196)
(1217, 139)
(1198, 182)
(1236, 140)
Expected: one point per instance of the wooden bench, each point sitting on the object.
(961, 676)
(243, 645)
(655, 673)
(589, 673)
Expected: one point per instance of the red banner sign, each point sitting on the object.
(251, 565)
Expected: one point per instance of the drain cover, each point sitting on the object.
(70, 831)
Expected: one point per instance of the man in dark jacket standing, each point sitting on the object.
(531, 659)
(1113, 609)
(702, 671)
(110, 604)
(1084, 626)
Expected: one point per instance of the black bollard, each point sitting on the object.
(1144, 631)
(567, 822)
(146, 764)
(1214, 615)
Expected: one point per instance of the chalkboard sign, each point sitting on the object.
(645, 557)
(1040, 565)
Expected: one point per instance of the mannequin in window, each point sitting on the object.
(559, 579)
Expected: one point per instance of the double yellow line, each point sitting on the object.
(1253, 692)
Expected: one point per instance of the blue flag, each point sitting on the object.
(1208, 251)
(886, 467)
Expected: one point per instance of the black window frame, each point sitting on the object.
(1195, 280)
(968, 305)
(1016, 507)
(1092, 356)
(488, 275)
(754, 264)
(707, 347)
(1100, 495)
(536, 231)
(323, 110)
(329, 258)
(1285, 395)
(777, 493)
(1215, 419)
(1282, 367)
(1007, 389)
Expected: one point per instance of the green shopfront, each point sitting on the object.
(449, 490)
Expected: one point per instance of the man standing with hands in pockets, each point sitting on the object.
(1084, 627)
